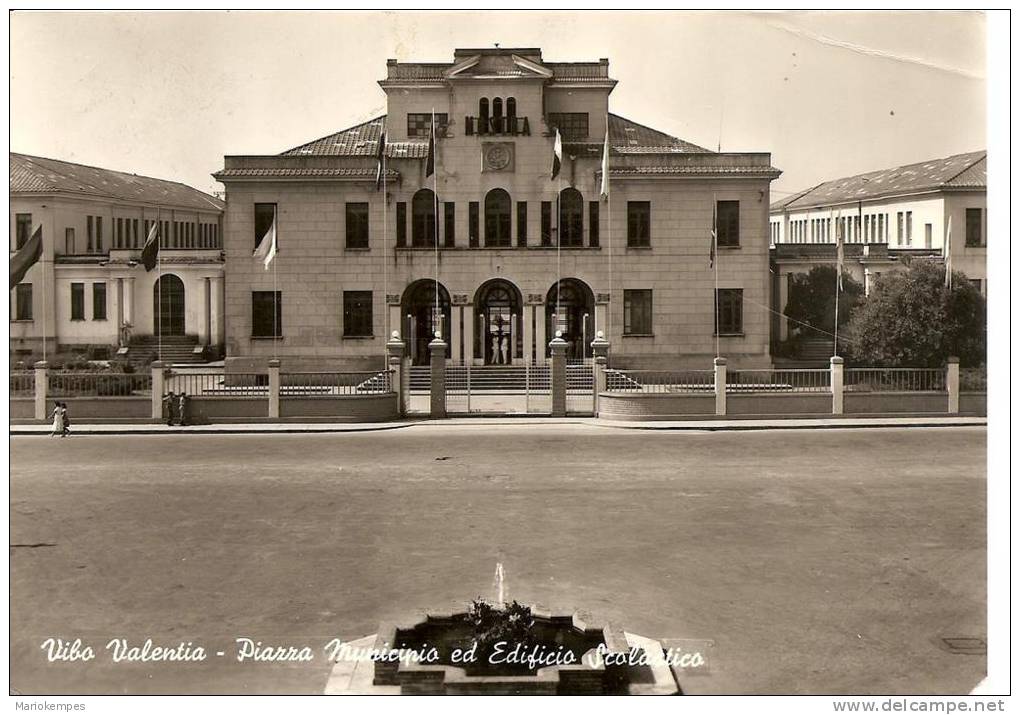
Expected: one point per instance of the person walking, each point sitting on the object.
(58, 421)
(171, 406)
(182, 408)
(65, 420)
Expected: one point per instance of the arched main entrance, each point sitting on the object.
(498, 305)
(418, 308)
(576, 318)
(168, 305)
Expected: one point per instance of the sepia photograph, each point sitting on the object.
(508, 352)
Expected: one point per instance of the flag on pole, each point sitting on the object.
(605, 168)
(267, 246)
(430, 160)
(949, 254)
(380, 154)
(26, 257)
(150, 251)
(715, 234)
(839, 254)
(558, 154)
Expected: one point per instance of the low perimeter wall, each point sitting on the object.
(895, 402)
(88, 408)
(654, 406)
(345, 408)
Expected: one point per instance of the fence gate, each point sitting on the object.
(498, 389)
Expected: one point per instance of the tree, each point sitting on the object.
(912, 320)
(812, 300)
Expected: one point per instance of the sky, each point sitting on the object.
(168, 94)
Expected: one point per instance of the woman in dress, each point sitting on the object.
(58, 421)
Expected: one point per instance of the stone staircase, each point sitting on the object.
(502, 378)
(175, 349)
(814, 353)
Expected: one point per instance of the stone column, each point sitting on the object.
(437, 356)
(217, 335)
(456, 351)
(274, 389)
(395, 361)
(469, 334)
(129, 303)
(952, 384)
(558, 376)
(158, 389)
(784, 296)
(539, 334)
(529, 337)
(41, 383)
(120, 311)
(720, 386)
(600, 361)
(205, 334)
(836, 379)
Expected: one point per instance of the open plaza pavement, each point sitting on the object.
(816, 561)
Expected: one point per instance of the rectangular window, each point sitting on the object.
(573, 126)
(265, 214)
(593, 224)
(68, 241)
(639, 224)
(728, 213)
(910, 226)
(356, 224)
(881, 228)
(522, 224)
(637, 312)
(88, 234)
(77, 301)
(23, 223)
(118, 235)
(134, 233)
(449, 224)
(547, 223)
(99, 301)
(729, 310)
(401, 224)
(973, 236)
(927, 235)
(99, 234)
(899, 228)
(357, 313)
(23, 301)
(418, 124)
(266, 314)
(473, 224)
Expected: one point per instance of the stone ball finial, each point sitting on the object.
(438, 335)
(559, 333)
(600, 334)
(395, 335)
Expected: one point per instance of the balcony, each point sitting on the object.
(497, 126)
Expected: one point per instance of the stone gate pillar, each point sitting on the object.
(41, 383)
(274, 389)
(720, 386)
(953, 384)
(558, 376)
(600, 361)
(395, 362)
(836, 380)
(158, 389)
(437, 392)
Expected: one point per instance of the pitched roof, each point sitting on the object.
(960, 171)
(625, 137)
(35, 174)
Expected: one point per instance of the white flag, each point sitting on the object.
(267, 246)
(605, 167)
(949, 254)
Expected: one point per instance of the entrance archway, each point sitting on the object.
(417, 308)
(576, 319)
(498, 309)
(168, 305)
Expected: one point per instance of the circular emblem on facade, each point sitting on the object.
(497, 157)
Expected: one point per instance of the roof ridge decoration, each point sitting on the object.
(461, 66)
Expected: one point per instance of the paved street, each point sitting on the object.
(827, 561)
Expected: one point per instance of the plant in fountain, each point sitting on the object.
(511, 624)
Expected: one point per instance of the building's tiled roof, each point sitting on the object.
(625, 137)
(303, 172)
(34, 174)
(961, 171)
(700, 170)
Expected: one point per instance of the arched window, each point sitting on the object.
(483, 116)
(497, 116)
(423, 218)
(511, 115)
(497, 218)
(571, 218)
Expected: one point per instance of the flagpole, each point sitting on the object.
(839, 269)
(386, 307)
(609, 232)
(159, 287)
(435, 222)
(715, 265)
(43, 248)
(273, 247)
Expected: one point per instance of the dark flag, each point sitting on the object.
(557, 154)
(150, 251)
(430, 160)
(715, 237)
(26, 257)
(380, 154)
